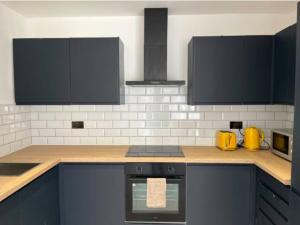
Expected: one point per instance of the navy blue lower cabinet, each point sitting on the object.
(92, 194)
(35, 204)
(10, 211)
(220, 194)
(39, 200)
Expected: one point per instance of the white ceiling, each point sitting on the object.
(133, 8)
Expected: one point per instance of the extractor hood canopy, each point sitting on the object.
(155, 49)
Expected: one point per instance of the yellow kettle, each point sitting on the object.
(253, 138)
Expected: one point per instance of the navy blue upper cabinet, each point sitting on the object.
(69, 71)
(284, 66)
(92, 194)
(230, 70)
(41, 71)
(97, 75)
(257, 69)
(220, 195)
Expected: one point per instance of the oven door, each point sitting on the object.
(136, 201)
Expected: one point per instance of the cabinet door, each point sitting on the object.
(216, 70)
(92, 194)
(292, 64)
(294, 209)
(284, 66)
(257, 69)
(220, 195)
(40, 200)
(10, 211)
(96, 70)
(41, 71)
(296, 144)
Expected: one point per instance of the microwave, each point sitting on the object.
(282, 143)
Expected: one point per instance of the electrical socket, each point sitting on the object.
(236, 125)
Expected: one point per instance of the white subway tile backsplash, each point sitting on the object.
(104, 108)
(55, 141)
(36, 124)
(79, 116)
(62, 132)
(178, 99)
(178, 116)
(112, 116)
(170, 91)
(153, 91)
(120, 124)
(88, 140)
(248, 116)
(221, 108)
(72, 141)
(234, 116)
(239, 108)
(71, 108)
(95, 116)
(54, 108)
(170, 141)
(151, 115)
(46, 116)
(55, 124)
(137, 140)
(47, 132)
(120, 141)
(213, 116)
(104, 140)
(188, 141)
(137, 107)
(154, 141)
(80, 132)
(256, 108)
(87, 108)
(275, 108)
(265, 116)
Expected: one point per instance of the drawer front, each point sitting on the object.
(263, 219)
(273, 216)
(273, 199)
(278, 188)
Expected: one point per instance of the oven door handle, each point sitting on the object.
(145, 179)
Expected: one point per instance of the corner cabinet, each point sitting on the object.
(220, 194)
(69, 71)
(92, 194)
(35, 204)
(284, 66)
(230, 70)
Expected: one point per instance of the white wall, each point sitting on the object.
(11, 25)
(181, 29)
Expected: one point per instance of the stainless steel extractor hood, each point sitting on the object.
(155, 49)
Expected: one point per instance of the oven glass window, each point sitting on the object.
(139, 199)
(281, 143)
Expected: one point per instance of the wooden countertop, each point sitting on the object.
(50, 156)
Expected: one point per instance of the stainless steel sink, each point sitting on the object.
(15, 169)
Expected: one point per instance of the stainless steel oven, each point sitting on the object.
(136, 192)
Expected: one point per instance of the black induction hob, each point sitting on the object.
(154, 151)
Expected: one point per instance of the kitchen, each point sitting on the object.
(102, 102)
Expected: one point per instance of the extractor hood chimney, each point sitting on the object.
(155, 49)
